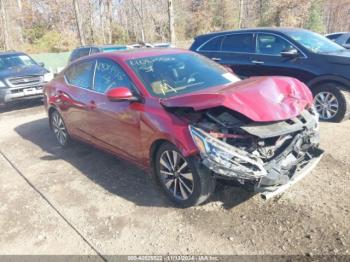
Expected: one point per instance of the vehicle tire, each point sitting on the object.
(332, 102)
(59, 128)
(184, 180)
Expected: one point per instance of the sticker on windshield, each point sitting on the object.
(231, 77)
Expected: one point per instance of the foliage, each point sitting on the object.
(315, 21)
(51, 25)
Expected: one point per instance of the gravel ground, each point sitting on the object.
(84, 201)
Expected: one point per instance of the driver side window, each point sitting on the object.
(109, 74)
(268, 44)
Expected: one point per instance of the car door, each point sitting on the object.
(269, 61)
(114, 125)
(236, 52)
(75, 97)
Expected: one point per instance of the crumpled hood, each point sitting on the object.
(262, 99)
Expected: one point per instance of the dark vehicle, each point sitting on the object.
(342, 39)
(21, 77)
(188, 120)
(313, 59)
(93, 49)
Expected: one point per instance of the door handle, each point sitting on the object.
(216, 59)
(256, 62)
(92, 105)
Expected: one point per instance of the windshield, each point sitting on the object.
(9, 61)
(314, 42)
(113, 48)
(176, 74)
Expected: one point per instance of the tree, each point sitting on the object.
(4, 23)
(110, 20)
(79, 23)
(315, 21)
(171, 22)
(139, 12)
(241, 10)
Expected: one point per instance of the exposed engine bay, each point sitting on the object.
(265, 153)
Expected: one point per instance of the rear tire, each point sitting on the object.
(332, 102)
(59, 128)
(184, 180)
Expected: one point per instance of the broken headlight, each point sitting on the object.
(223, 158)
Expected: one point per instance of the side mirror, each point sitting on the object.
(290, 53)
(119, 94)
(41, 64)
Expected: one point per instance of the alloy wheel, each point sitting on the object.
(326, 104)
(59, 129)
(176, 174)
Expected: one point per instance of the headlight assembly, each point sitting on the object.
(48, 77)
(2, 84)
(220, 156)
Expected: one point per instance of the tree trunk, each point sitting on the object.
(6, 43)
(241, 9)
(171, 22)
(140, 15)
(79, 22)
(110, 20)
(91, 20)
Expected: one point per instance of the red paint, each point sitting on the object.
(119, 94)
(261, 99)
(129, 129)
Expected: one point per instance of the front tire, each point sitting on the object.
(59, 128)
(184, 180)
(332, 102)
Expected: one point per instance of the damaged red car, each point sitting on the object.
(188, 119)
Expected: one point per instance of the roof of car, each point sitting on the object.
(11, 53)
(99, 46)
(257, 29)
(141, 52)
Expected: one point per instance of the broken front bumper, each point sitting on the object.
(271, 191)
(283, 170)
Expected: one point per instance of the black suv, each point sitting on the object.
(21, 77)
(92, 49)
(317, 61)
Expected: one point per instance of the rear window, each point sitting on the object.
(213, 44)
(80, 74)
(240, 43)
(79, 53)
(333, 37)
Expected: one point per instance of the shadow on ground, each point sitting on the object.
(18, 105)
(115, 175)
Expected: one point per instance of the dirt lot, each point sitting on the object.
(83, 201)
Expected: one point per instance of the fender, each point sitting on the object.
(329, 78)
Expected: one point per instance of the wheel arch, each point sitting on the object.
(153, 151)
(329, 79)
(50, 110)
(185, 151)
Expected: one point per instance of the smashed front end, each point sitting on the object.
(269, 155)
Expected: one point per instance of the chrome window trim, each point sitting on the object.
(268, 33)
(210, 39)
(248, 53)
(225, 35)
(134, 88)
(75, 64)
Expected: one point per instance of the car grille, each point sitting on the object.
(20, 90)
(25, 81)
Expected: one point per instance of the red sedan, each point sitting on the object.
(187, 119)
